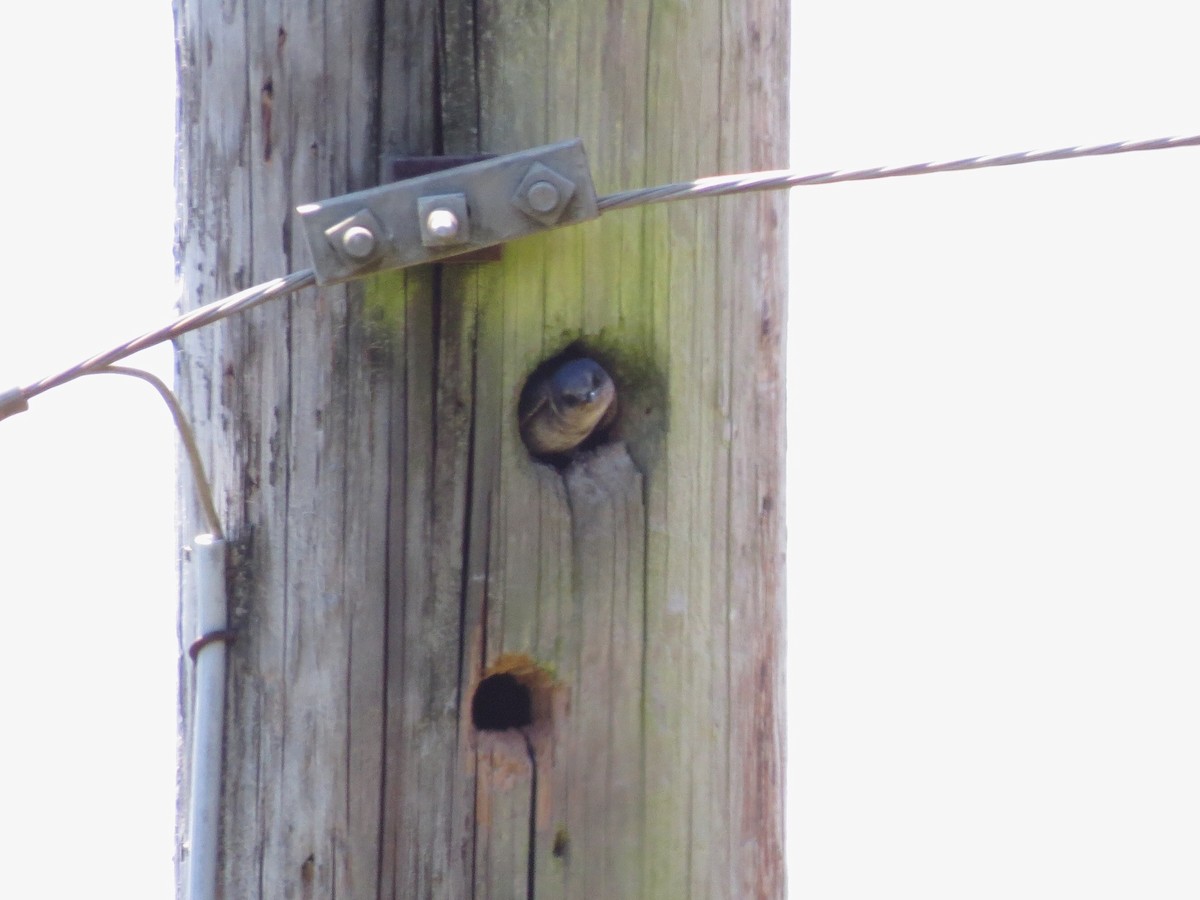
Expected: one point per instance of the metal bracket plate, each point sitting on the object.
(423, 219)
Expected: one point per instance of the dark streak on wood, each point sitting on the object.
(268, 95)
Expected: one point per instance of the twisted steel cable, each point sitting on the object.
(788, 178)
(16, 400)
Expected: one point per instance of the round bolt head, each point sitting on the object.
(358, 242)
(442, 223)
(542, 196)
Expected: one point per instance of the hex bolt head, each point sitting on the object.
(442, 224)
(542, 196)
(444, 220)
(358, 242)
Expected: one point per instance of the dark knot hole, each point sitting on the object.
(501, 702)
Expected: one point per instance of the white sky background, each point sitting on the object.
(994, 494)
(87, 484)
(994, 501)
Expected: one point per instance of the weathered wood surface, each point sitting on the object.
(396, 543)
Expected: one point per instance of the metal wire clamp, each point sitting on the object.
(443, 214)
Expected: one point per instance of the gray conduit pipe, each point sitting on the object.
(208, 718)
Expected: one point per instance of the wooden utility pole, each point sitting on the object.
(460, 672)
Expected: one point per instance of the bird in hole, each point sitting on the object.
(565, 407)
